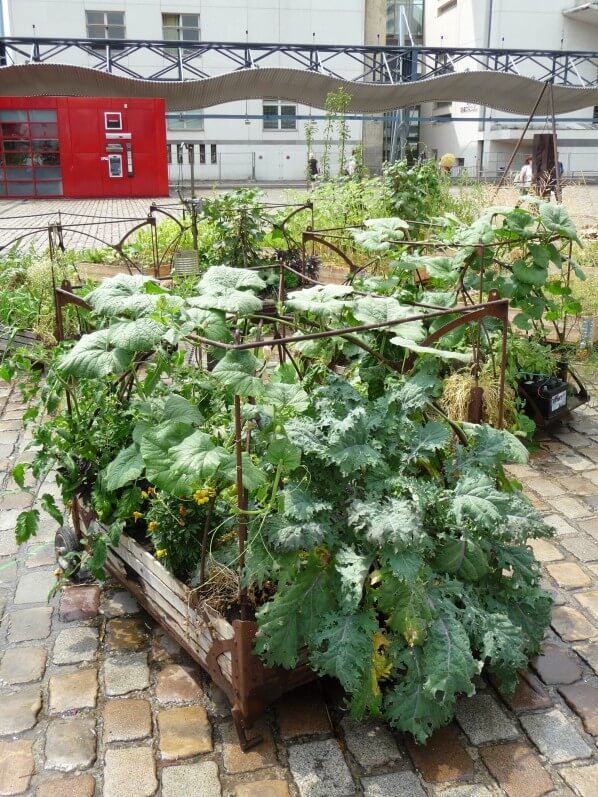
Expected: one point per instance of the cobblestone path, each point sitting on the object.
(96, 700)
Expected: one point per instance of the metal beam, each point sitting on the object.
(180, 61)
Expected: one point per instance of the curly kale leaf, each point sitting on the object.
(393, 522)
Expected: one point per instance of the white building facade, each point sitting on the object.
(485, 146)
(252, 139)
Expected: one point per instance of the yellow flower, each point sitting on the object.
(144, 495)
(137, 515)
(203, 496)
(152, 525)
(57, 573)
(151, 490)
(161, 553)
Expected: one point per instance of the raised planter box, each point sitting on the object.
(224, 650)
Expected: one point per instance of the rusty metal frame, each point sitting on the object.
(255, 686)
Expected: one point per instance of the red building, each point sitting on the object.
(82, 147)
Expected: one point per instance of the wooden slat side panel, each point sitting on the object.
(173, 614)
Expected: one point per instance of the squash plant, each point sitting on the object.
(389, 543)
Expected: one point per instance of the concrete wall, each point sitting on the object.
(278, 155)
(373, 132)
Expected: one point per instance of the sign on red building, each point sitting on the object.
(82, 147)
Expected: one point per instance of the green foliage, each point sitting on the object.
(395, 556)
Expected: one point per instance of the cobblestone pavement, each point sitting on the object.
(96, 699)
(110, 219)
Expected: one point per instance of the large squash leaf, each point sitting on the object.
(321, 300)
(94, 356)
(127, 466)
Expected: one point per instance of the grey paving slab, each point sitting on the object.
(483, 720)
(319, 770)
(399, 784)
(555, 736)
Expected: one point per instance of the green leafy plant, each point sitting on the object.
(379, 534)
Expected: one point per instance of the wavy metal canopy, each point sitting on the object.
(505, 92)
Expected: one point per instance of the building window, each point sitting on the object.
(213, 154)
(185, 121)
(169, 154)
(180, 28)
(202, 153)
(30, 156)
(113, 120)
(105, 24)
(279, 115)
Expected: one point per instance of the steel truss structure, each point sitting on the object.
(181, 61)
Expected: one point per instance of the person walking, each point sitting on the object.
(312, 166)
(526, 175)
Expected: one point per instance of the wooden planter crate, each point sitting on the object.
(223, 649)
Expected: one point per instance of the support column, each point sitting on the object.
(373, 132)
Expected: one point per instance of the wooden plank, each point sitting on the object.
(190, 627)
(173, 612)
(184, 593)
(152, 602)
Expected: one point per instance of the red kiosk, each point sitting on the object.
(82, 147)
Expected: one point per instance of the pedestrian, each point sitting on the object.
(552, 181)
(526, 176)
(312, 166)
(352, 165)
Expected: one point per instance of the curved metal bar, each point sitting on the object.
(310, 236)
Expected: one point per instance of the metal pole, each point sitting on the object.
(241, 506)
(521, 137)
(191, 151)
(555, 147)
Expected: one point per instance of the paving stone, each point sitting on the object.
(75, 644)
(35, 587)
(555, 737)
(29, 624)
(200, 779)
(125, 634)
(260, 756)
(8, 572)
(124, 674)
(125, 720)
(528, 696)
(23, 665)
(573, 439)
(70, 744)
(119, 603)
(8, 519)
(41, 555)
(442, 758)
(583, 699)
(163, 647)
(8, 543)
(589, 653)
(579, 485)
(263, 788)
(184, 732)
(570, 507)
(176, 684)
(468, 791)
(15, 500)
(19, 710)
(574, 461)
(555, 666)
(590, 526)
(16, 766)
(546, 488)
(483, 720)
(130, 772)
(581, 547)
(79, 786)
(3, 601)
(319, 770)
(517, 769)
(79, 603)
(399, 784)
(371, 743)
(592, 501)
(73, 690)
(583, 779)
(302, 712)
(545, 551)
(589, 601)
(569, 575)
(571, 625)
